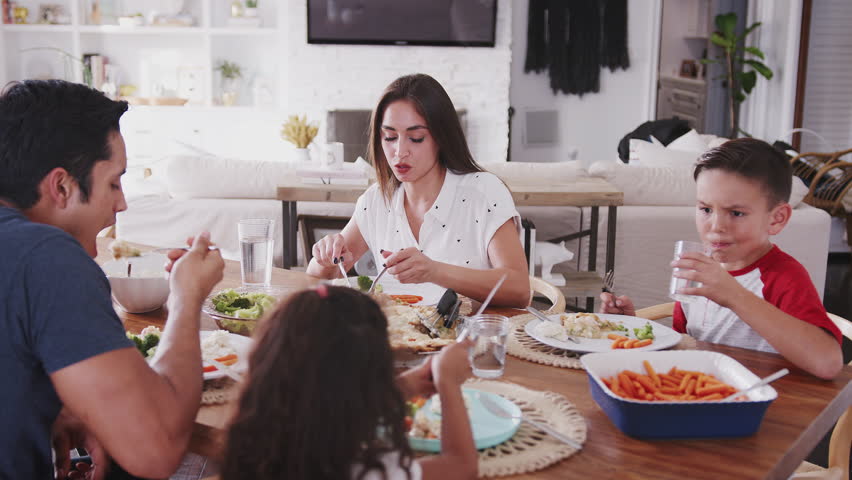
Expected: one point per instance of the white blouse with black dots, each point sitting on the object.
(457, 228)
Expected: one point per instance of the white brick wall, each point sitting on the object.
(327, 77)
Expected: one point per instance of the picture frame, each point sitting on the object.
(314, 227)
(689, 69)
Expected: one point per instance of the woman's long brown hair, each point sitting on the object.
(434, 105)
(320, 397)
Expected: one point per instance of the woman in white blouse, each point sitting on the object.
(434, 215)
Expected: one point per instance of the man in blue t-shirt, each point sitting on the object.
(72, 377)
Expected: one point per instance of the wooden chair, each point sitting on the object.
(549, 291)
(841, 438)
(829, 179)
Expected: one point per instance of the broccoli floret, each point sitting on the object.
(644, 333)
(364, 283)
(150, 341)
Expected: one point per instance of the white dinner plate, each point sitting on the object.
(664, 337)
(430, 292)
(241, 344)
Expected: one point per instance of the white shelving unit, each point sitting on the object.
(159, 60)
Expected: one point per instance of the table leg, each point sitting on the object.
(610, 238)
(288, 227)
(593, 252)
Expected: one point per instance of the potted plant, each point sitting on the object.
(300, 133)
(251, 8)
(740, 72)
(231, 74)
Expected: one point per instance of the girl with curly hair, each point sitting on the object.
(321, 400)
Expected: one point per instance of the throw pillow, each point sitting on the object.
(217, 177)
(688, 142)
(666, 185)
(650, 155)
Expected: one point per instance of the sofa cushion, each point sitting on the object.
(644, 185)
(690, 141)
(650, 155)
(536, 173)
(216, 177)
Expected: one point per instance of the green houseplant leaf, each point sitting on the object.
(747, 80)
(727, 24)
(760, 68)
(756, 52)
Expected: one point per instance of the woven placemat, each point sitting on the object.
(221, 390)
(521, 345)
(531, 449)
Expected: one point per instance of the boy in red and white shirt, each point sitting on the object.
(754, 295)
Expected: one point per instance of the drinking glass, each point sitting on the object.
(255, 236)
(488, 354)
(681, 247)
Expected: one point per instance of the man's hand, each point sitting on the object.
(717, 284)
(417, 381)
(410, 265)
(69, 432)
(622, 305)
(196, 271)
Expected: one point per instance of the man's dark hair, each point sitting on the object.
(755, 160)
(45, 124)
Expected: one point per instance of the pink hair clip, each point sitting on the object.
(322, 290)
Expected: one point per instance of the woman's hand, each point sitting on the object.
(330, 250)
(410, 265)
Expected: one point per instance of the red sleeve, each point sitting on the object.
(678, 319)
(791, 290)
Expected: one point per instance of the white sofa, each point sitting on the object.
(195, 193)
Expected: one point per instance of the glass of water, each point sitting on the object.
(681, 247)
(488, 354)
(256, 250)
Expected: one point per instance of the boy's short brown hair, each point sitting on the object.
(755, 160)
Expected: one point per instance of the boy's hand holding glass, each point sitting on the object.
(409, 265)
(716, 283)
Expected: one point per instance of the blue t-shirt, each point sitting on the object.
(55, 310)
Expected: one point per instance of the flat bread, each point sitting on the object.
(405, 332)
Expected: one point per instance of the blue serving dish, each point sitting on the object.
(658, 419)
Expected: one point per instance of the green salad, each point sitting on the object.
(248, 306)
(147, 340)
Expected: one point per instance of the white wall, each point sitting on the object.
(326, 77)
(591, 125)
(768, 112)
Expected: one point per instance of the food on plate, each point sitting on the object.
(620, 341)
(644, 333)
(676, 385)
(420, 424)
(588, 325)
(217, 346)
(406, 332)
(147, 340)
(410, 299)
(121, 249)
(242, 305)
(365, 282)
(552, 330)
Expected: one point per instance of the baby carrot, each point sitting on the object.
(642, 343)
(626, 384)
(651, 373)
(647, 383)
(615, 336)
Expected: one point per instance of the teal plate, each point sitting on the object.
(488, 429)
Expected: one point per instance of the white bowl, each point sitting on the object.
(146, 289)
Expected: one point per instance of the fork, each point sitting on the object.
(499, 411)
(608, 281)
(376, 280)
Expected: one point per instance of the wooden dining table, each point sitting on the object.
(805, 410)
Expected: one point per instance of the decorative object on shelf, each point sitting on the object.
(237, 8)
(51, 13)
(740, 72)
(6, 6)
(251, 8)
(191, 83)
(261, 93)
(70, 64)
(95, 13)
(20, 14)
(133, 20)
(231, 74)
(300, 133)
(688, 69)
(549, 254)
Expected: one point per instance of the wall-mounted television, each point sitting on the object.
(403, 22)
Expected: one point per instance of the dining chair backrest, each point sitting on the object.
(549, 291)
